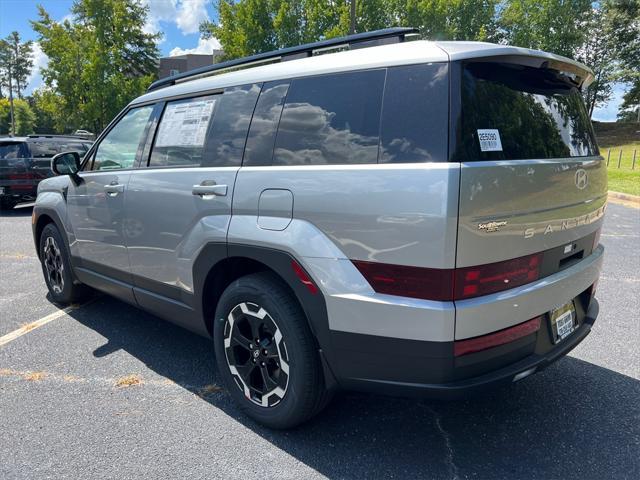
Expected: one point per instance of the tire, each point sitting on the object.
(293, 394)
(56, 268)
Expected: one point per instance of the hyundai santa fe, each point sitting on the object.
(365, 213)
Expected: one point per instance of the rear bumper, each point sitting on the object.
(27, 190)
(530, 354)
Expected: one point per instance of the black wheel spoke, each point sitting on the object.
(238, 339)
(254, 323)
(269, 382)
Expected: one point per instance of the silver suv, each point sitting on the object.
(394, 216)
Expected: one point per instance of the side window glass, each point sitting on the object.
(264, 125)
(182, 132)
(331, 119)
(119, 148)
(228, 132)
(415, 114)
(205, 132)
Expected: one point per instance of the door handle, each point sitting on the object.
(209, 190)
(113, 189)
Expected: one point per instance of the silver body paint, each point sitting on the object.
(423, 215)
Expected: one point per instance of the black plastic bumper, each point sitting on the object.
(534, 361)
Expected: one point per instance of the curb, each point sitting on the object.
(624, 197)
(627, 197)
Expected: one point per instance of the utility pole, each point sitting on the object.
(352, 27)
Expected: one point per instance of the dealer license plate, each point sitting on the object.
(563, 322)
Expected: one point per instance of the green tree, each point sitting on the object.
(46, 106)
(449, 19)
(16, 63)
(598, 54)
(623, 24)
(25, 119)
(247, 27)
(557, 26)
(21, 53)
(98, 62)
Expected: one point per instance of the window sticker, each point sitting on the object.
(185, 124)
(489, 139)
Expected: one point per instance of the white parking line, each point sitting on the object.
(9, 337)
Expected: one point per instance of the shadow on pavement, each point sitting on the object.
(18, 211)
(575, 420)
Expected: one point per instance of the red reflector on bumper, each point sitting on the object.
(477, 344)
(303, 277)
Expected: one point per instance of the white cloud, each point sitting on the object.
(40, 60)
(205, 46)
(190, 14)
(159, 11)
(186, 14)
(609, 111)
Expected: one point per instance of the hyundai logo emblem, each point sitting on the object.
(581, 179)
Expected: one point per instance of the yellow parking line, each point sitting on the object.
(9, 337)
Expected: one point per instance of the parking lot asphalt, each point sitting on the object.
(108, 391)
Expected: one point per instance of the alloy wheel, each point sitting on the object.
(54, 265)
(256, 354)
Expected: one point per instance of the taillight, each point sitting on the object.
(494, 277)
(449, 284)
(414, 282)
(511, 334)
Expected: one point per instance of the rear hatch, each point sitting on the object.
(531, 179)
(15, 164)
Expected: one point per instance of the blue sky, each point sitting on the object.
(178, 20)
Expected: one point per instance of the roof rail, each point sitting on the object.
(358, 40)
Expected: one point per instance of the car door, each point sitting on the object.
(182, 199)
(95, 201)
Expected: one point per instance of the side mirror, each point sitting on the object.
(66, 163)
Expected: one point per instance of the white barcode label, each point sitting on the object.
(489, 139)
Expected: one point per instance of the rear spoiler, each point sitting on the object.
(579, 73)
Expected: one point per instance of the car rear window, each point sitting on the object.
(511, 112)
(13, 150)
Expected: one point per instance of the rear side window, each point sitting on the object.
(264, 126)
(331, 119)
(182, 132)
(415, 114)
(13, 150)
(228, 133)
(208, 131)
(515, 112)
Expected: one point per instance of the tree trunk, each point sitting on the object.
(11, 112)
(352, 27)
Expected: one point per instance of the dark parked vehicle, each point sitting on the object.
(25, 161)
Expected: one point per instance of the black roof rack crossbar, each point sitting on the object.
(306, 50)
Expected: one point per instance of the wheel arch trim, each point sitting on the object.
(212, 257)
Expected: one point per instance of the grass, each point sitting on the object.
(614, 138)
(624, 179)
